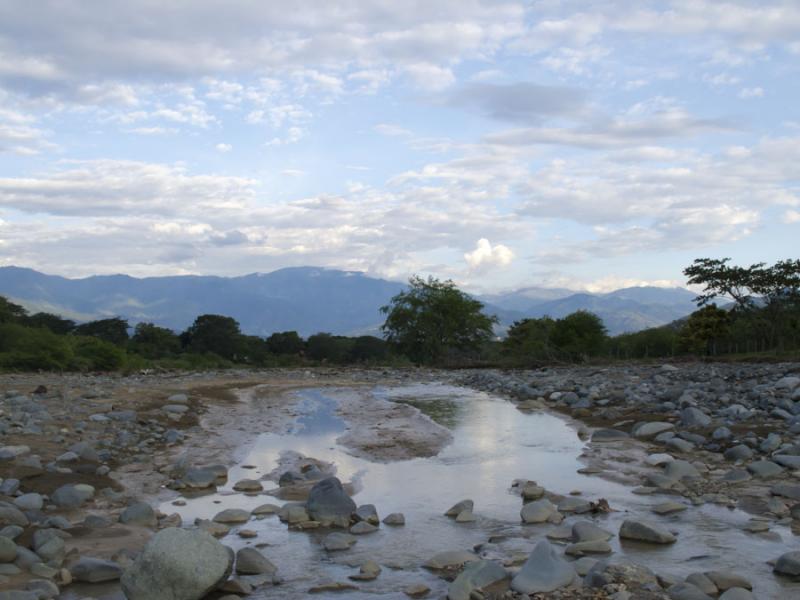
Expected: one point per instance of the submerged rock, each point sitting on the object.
(642, 531)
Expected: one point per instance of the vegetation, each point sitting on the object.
(432, 322)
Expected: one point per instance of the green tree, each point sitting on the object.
(432, 319)
(95, 354)
(113, 330)
(579, 335)
(325, 347)
(10, 312)
(285, 342)
(154, 342)
(49, 321)
(704, 329)
(32, 349)
(369, 349)
(529, 340)
(214, 333)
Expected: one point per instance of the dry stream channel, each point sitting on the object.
(492, 445)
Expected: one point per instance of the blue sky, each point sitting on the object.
(504, 144)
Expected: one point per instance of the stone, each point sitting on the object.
(586, 531)
(416, 590)
(395, 519)
(686, 591)
(737, 593)
(8, 550)
(668, 507)
(786, 490)
(368, 513)
(362, 527)
(539, 511)
(368, 571)
(250, 561)
(18, 595)
(337, 541)
(95, 570)
(574, 505)
(647, 431)
(590, 547)
(265, 509)
(738, 452)
(11, 515)
(451, 559)
(788, 564)
(531, 491)
(724, 580)
(681, 469)
(248, 486)
(694, 417)
(329, 504)
(609, 435)
(788, 461)
(232, 516)
(642, 531)
(483, 577)
(459, 507)
(177, 564)
(544, 571)
(702, 582)
(72, 495)
(139, 513)
(659, 460)
(764, 469)
(466, 516)
(199, 478)
(29, 502)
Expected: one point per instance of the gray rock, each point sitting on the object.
(459, 507)
(646, 431)
(362, 527)
(694, 417)
(395, 519)
(787, 460)
(329, 504)
(367, 572)
(721, 433)
(544, 571)
(18, 595)
(368, 513)
(586, 531)
(177, 564)
(482, 577)
(338, 541)
(450, 559)
(8, 550)
(687, 591)
(10, 515)
(250, 561)
(539, 511)
(701, 581)
(571, 504)
(199, 478)
(642, 531)
(681, 469)
(248, 485)
(739, 452)
(29, 502)
(680, 445)
(232, 516)
(72, 495)
(764, 469)
(95, 570)
(609, 435)
(140, 513)
(737, 593)
(788, 564)
(787, 490)
(724, 580)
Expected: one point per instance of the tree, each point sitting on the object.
(328, 348)
(579, 335)
(49, 321)
(113, 330)
(213, 333)
(721, 280)
(704, 329)
(529, 340)
(432, 319)
(10, 312)
(369, 349)
(152, 341)
(285, 342)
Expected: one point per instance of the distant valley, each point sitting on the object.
(309, 300)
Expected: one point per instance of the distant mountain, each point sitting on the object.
(308, 300)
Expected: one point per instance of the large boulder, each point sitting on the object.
(329, 504)
(484, 577)
(544, 571)
(177, 564)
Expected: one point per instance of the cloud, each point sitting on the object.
(223, 148)
(521, 102)
(391, 130)
(485, 256)
(751, 92)
(19, 134)
(791, 216)
(429, 76)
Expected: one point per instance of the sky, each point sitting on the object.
(502, 144)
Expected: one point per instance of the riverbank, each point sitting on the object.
(147, 440)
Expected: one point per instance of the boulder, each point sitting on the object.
(232, 516)
(788, 564)
(248, 485)
(544, 571)
(250, 561)
(329, 504)
(395, 519)
(686, 591)
(647, 431)
(609, 435)
(694, 417)
(139, 513)
(451, 559)
(72, 495)
(177, 564)
(459, 507)
(338, 541)
(95, 570)
(642, 531)
(540, 511)
(484, 577)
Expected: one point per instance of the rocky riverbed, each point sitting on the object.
(99, 474)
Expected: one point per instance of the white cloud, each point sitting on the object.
(391, 130)
(791, 216)
(751, 92)
(223, 148)
(485, 256)
(429, 76)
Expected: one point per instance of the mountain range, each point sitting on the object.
(309, 300)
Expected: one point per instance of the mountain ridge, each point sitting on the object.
(309, 300)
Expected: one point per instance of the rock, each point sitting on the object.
(395, 519)
(681, 469)
(658, 460)
(459, 507)
(647, 431)
(764, 469)
(703, 583)
(466, 516)
(724, 580)
(788, 564)
(140, 513)
(293, 513)
(248, 485)
(362, 527)
(329, 504)
(178, 399)
(642, 531)
(95, 570)
(338, 541)
(574, 505)
(72, 495)
(531, 491)
(417, 590)
(45, 589)
(232, 516)
(539, 511)
(680, 445)
(668, 507)
(368, 513)
(18, 595)
(265, 509)
(250, 561)
(368, 571)
(586, 531)
(332, 587)
(199, 478)
(591, 547)
(609, 435)
(218, 530)
(8, 550)
(786, 490)
(484, 577)
(448, 560)
(544, 571)
(788, 461)
(694, 417)
(10, 515)
(29, 502)
(738, 452)
(687, 591)
(177, 564)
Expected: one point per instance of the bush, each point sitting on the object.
(32, 349)
(92, 354)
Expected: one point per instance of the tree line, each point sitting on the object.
(432, 322)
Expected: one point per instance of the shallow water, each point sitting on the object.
(493, 444)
